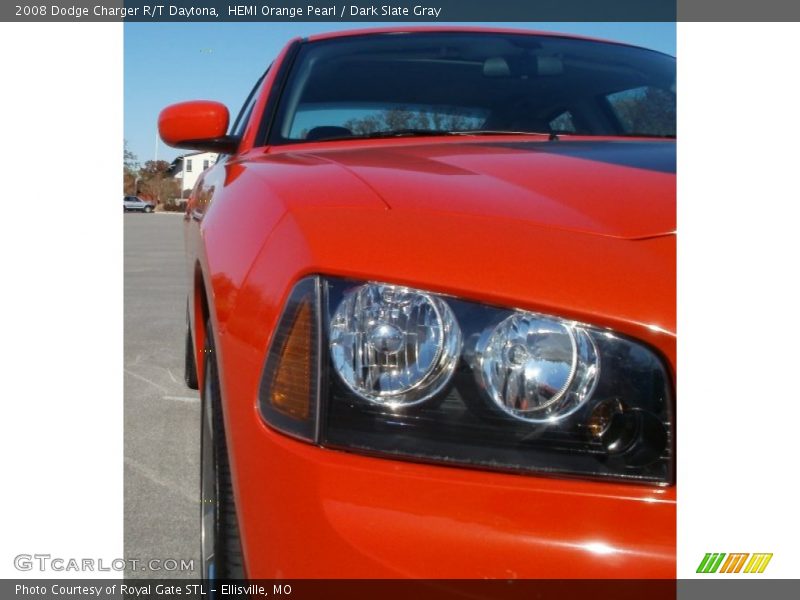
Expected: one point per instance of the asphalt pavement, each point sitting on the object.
(162, 415)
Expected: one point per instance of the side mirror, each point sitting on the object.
(197, 125)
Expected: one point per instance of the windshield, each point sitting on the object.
(437, 83)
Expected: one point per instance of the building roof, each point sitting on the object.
(177, 165)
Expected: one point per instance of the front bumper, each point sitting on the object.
(310, 512)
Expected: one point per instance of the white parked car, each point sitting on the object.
(132, 203)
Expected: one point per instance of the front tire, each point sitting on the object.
(221, 550)
(189, 365)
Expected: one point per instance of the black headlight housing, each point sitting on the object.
(392, 371)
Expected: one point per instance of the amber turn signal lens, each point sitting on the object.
(291, 390)
(287, 395)
(602, 416)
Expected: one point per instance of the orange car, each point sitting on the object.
(432, 309)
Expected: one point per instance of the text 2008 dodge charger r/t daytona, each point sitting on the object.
(432, 309)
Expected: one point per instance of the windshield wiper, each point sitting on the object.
(392, 133)
(501, 132)
(636, 134)
(399, 133)
(389, 134)
(550, 135)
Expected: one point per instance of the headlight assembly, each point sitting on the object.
(536, 368)
(392, 345)
(394, 371)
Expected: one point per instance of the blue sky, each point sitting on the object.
(172, 62)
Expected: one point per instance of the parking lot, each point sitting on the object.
(162, 415)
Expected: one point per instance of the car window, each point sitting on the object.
(369, 118)
(240, 123)
(644, 110)
(466, 81)
(563, 123)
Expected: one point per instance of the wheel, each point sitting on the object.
(221, 550)
(189, 365)
(148, 209)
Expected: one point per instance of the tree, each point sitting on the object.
(398, 118)
(647, 111)
(155, 183)
(129, 166)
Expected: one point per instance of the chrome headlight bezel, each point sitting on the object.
(379, 334)
(505, 362)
